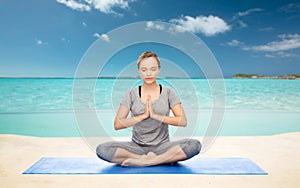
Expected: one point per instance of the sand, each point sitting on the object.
(279, 155)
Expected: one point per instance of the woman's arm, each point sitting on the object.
(121, 120)
(179, 118)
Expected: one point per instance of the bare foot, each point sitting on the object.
(144, 160)
(134, 162)
(151, 155)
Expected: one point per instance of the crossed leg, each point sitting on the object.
(174, 154)
(132, 154)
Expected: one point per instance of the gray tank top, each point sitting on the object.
(150, 131)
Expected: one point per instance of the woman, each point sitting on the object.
(149, 105)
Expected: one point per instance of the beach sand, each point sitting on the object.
(279, 155)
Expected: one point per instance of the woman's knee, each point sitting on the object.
(196, 145)
(191, 147)
(105, 151)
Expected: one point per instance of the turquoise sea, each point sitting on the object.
(45, 106)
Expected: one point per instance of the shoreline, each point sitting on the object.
(234, 123)
(276, 154)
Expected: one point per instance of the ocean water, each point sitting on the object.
(45, 107)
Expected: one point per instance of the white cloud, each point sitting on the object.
(103, 37)
(237, 17)
(279, 55)
(105, 6)
(152, 25)
(65, 40)
(96, 35)
(274, 49)
(242, 24)
(207, 25)
(73, 4)
(290, 8)
(247, 12)
(235, 43)
(287, 42)
(40, 42)
(266, 29)
(83, 24)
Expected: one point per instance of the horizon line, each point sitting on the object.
(138, 77)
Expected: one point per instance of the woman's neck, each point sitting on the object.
(150, 87)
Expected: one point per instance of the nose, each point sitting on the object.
(148, 73)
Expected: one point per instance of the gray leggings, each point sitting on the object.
(106, 151)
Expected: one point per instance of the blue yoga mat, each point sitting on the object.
(213, 166)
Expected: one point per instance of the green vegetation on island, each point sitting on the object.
(287, 77)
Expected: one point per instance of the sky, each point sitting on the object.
(48, 38)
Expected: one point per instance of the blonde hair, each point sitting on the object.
(146, 55)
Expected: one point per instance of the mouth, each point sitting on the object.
(148, 78)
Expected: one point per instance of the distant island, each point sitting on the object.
(257, 76)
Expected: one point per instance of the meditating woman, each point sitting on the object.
(150, 105)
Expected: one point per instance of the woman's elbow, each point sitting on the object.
(117, 124)
(183, 122)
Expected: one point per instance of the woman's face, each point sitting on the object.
(149, 70)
